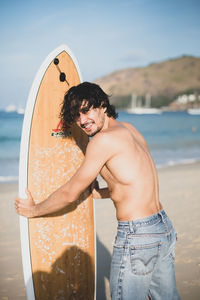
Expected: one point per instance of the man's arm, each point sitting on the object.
(94, 160)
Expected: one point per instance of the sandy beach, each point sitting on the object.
(180, 196)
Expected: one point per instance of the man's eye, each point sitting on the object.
(85, 110)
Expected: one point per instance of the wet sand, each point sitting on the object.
(180, 196)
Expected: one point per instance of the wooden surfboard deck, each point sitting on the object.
(58, 250)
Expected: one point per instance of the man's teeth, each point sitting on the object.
(88, 125)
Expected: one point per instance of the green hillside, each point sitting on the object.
(163, 81)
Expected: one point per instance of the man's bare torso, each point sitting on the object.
(130, 174)
(120, 154)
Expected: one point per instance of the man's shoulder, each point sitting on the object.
(127, 125)
(101, 146)
(100, 138)
(137, 135)
(103, 140)
(111, 136)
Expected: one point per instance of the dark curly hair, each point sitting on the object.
(93, 96)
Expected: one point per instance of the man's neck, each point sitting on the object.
(108, 122)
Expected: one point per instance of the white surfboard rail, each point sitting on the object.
(23, 164)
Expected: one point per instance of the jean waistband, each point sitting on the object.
(143, 222)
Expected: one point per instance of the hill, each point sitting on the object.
(163, 80)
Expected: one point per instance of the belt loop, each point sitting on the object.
(161, 215)
(131, 226)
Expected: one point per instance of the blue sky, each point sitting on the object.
(104, 36)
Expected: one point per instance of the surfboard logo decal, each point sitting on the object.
(59, 132)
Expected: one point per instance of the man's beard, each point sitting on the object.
(95, 132)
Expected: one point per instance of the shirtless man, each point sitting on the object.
(143, 255)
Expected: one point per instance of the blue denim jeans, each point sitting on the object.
(143, 260)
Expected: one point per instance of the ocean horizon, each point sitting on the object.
(172, 137)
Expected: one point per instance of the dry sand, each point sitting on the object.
(180, 196)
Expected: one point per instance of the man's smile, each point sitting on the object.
(87, 125)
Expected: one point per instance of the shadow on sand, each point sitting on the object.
(72, 276)
(103, 269)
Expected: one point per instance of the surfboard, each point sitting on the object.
(58, 250)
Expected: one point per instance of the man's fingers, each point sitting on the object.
(16, 203)
(20, 200)
(28, 193)
(95, 185)
(23, 206)
(20, 203)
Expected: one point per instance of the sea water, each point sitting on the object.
(10, 135)
(172, 137)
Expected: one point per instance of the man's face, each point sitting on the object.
(91, 121)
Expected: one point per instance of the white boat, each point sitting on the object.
(144, 110)
(20, 110)
(10, 108)
(147, 109)
(194, 111)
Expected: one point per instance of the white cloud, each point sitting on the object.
(133, 56)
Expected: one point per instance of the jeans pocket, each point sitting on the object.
(144, 258)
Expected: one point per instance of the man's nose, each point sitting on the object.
(82, 118)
